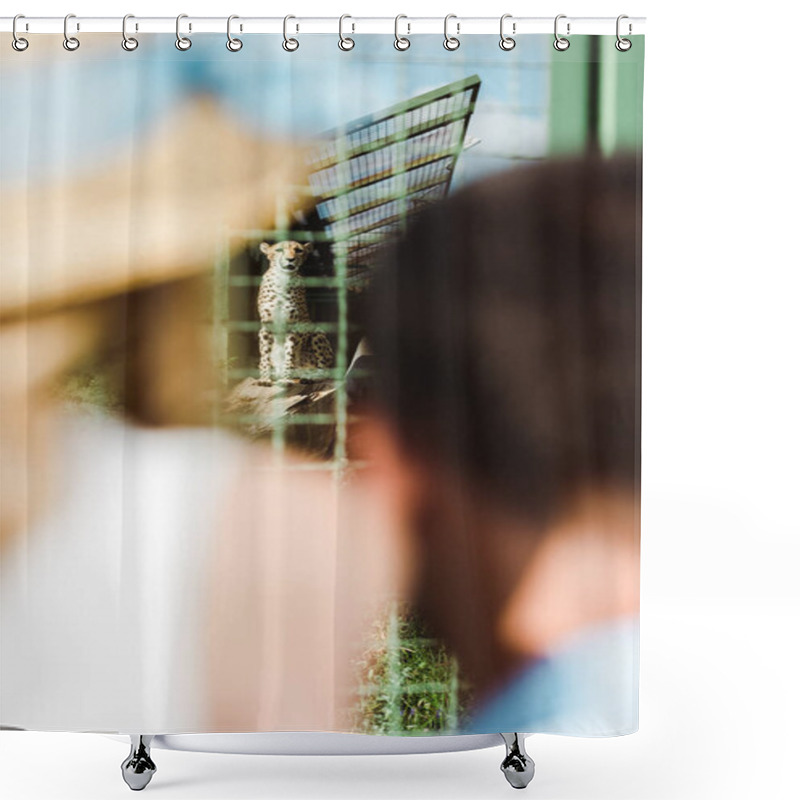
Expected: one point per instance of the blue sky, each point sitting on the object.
(70, 111)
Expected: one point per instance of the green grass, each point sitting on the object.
(409, 682)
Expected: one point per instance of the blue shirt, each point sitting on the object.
(588, 686)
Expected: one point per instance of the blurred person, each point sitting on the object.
(105, 268)
(503, 436)
(153, 561)
(113, 475)
(303, 565)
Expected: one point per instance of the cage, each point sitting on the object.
(366, 180)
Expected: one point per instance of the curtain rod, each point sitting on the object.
(461, 26)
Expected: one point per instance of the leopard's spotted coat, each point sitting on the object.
(286, 353)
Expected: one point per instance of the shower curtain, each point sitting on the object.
(320, 384)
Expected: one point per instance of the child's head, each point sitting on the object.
(506, 335)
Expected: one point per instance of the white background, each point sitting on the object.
(721, 537)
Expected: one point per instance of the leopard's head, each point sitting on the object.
(287, 256)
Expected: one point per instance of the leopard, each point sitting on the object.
(282, 308)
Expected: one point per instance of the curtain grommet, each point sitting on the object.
(233, 44)
(507, 43)
(183, 43)
(560, 43)
(70, 43)
(129, 43)
(17, 42)
(400, 42)
(451, 43)
(346, 43)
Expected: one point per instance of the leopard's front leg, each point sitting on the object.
(291, 357)
(266, 341)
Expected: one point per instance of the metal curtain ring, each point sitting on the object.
(345, 42)
(507, 42)
(18, 43)
(560, 43)
(70, 43)
(290, 45)
(181, 42)
(233, 44)
(451, 42)
(623, 45)
(400, 42)
(129, 43)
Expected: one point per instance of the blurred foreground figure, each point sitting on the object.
(504, 436)
(115, 484)
(79, 250)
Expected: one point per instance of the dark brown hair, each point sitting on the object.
(506, 333)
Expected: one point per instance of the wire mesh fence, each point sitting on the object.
(367, 179)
